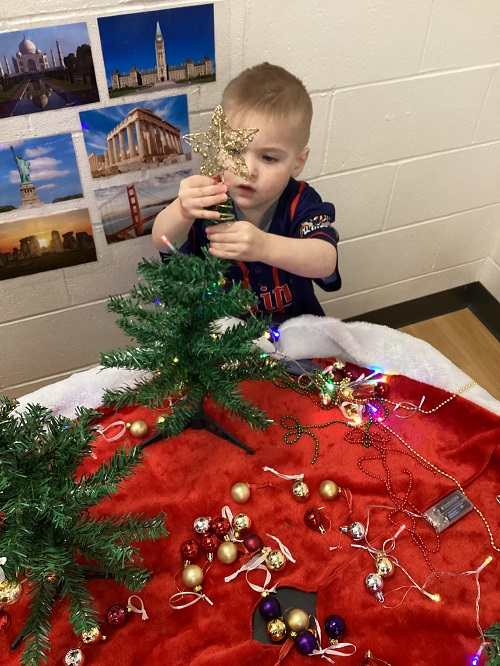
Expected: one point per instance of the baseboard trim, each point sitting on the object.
(473, 296)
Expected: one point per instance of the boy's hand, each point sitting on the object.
(197, 193)
(240, 241)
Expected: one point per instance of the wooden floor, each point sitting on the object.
(462, 338)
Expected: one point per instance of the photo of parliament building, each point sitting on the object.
(162, 72)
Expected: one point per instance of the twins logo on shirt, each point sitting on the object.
(277, 298)
(314, 223)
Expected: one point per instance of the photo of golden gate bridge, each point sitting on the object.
(128, 211)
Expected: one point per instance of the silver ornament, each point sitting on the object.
(375, 584)
(201, 525)
(357, 531)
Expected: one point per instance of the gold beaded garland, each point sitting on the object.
(138, 428)
(240, 492)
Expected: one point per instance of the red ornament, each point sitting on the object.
(337, 376)
(4, 621)
(363, 393)
(220, 526)
(253, 543)
(351, 374)
(209, 544)
(116, 615)
(382, 389)
(190, 550)
(314, 520)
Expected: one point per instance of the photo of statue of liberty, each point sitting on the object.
(23, 167)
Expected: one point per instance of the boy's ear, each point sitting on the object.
(301, 162)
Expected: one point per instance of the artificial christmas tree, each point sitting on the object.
(46, 528)
(172, 314)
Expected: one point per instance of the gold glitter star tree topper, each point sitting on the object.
(221, 147)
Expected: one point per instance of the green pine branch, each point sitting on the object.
(492, 634)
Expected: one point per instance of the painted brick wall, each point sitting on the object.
(405, 142)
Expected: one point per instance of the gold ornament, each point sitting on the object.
(138, 428)
(240, 492)
(10, 592)
(297, 620)
(92, 635)
(192, 576)
(275, 561)
(276, 629)
(241, 523)
(161, 418)
(221, 146)
(227, 552)
(385, 567)
(329, 490)
(300, 491)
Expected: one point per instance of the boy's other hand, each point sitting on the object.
(240, 241)
(197, 194)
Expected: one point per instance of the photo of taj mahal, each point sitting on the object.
(152, 51)
(46, 69)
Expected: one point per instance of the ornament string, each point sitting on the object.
(287, 477)
(134, 609)
(228, 514)
(122, 431)
(181, 595)
(264, 588)
(334, 650)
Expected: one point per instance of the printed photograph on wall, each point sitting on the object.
(159, 50)
(42, 69)
(36, 172)
(137, 137)
(46, 243)
(128, 211)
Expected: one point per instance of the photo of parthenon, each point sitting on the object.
(131, 137)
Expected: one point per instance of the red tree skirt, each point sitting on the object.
(191, 475)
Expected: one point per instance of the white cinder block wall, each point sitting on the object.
(405, 142)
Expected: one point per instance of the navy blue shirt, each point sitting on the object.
(300, 213)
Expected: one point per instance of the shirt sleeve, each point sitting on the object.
(314, 218)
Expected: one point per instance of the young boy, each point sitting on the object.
(283, 238)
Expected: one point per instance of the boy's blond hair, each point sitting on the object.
(271, 91)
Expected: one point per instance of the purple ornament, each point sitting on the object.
(269, 607)
(305, 642)
(334, 626)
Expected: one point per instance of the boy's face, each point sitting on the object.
(272, 158)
